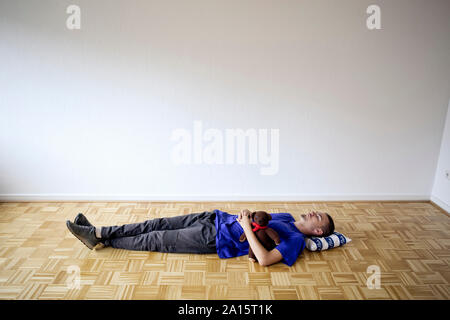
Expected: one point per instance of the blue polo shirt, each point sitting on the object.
(228, 231)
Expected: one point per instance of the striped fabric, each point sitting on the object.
(324, 243)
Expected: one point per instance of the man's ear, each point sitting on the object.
(318, 232)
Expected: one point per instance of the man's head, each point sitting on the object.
(317, 224)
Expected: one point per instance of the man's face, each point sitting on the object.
(314, 222)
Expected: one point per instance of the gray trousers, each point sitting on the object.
(192, 233)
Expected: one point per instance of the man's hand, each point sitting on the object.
(244, 219)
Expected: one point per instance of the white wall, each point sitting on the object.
(88, 114)
(441, 188)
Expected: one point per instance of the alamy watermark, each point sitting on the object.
(73, 22)
(374, 281)
(73, 280)
(374, 20)
(227, 147)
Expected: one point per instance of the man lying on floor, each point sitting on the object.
(207, 232)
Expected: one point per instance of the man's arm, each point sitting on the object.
(265, 258)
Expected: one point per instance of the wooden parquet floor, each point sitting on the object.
(40, 259)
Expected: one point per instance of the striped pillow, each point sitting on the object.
(324, 243)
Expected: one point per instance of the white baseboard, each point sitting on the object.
(213, 197)
(440, 204)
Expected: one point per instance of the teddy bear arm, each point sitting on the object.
(273, 235)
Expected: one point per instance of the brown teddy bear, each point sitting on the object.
(268, 237)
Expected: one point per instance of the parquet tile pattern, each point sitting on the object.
(409, 241)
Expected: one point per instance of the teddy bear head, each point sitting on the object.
(261, 218)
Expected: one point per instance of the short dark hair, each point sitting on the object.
(329, 228)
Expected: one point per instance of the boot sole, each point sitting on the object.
(99, 246)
